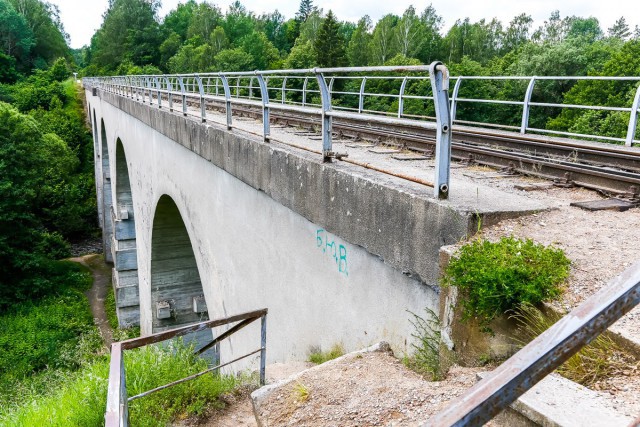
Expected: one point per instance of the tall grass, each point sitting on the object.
(80, 399)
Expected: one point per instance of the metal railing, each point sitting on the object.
(117, 412)
(544, 354)
(527, 104)
(313, 91)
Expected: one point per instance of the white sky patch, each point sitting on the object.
(81, 18)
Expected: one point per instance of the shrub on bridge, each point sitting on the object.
(496, 277)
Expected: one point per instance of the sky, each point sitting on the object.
(81, 18)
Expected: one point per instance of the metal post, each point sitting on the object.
(633, 119)
(525, 107)
(325, 95)
(265, 106)
(403, 86)
(304, 91)
(284, 90)
(440, 87)
(251, 88)
(263, 348)
(184, 95)
(361, 96)
(203, 107)
(169, 93)
(158, 91)
(227, 99)
(454, 99)
(238, 87)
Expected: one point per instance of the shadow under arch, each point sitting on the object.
(125, 253)
(107, 202)
(176, 289)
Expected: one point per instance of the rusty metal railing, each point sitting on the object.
(544, 354)
(117, 413)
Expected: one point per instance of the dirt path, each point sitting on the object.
(98, 293)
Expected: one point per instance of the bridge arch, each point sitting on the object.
(107, 202)
(125, 253)
(177, 296)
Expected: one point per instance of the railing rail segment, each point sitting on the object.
(117, 412)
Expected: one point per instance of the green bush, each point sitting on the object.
(46, 333)
(317, 356)
(497, 277)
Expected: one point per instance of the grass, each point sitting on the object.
(300, 393)
(425, 358)
(79, 399)
(317, 356)
(600, 359)
(495, 278)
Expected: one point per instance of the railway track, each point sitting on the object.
(613, 171)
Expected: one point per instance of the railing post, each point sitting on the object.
(238, 87)
(526, 107)
(251, 88)
(325, 95)
(203, 107)
(227, 99)
(117, 411)
(263, 348)
(284, 90)
(184, 95)
(304, 91)
(403, 86)
(266, 130)
(454, 99)
(361, 95)
(169, 93)
(440, 87)
(158, 91)
(633, 119)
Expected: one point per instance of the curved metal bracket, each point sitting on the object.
(203, 107)
(403, 86)
(454, 99)
(526, 107)
(183, 94)
(325, 96)
(266, 130)
(227, 99)
(304, 91)
(440, 87)
(633, 119)
(361, 95)
(158, 91)
(169, 93)
(284, 90)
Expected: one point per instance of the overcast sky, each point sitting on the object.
(82, 18)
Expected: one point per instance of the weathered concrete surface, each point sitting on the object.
(558, 402)
(336, 252)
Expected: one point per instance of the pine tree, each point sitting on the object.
(620, 30)
(305, 9)
(329, 44)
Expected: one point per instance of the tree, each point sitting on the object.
(262, 51)
(204, 19)
(408, 31)
(517, 33)
(310, 27)
(430, 38)
(383, 42)
(234, 60)
(305, 10)
(620, 29)
(238, 23)
(178, 20)
(358, 49)
(329, 45)
(303, 55)
(16, 38)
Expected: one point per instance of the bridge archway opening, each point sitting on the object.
(125, 252)
(175, 279)
(107, 226)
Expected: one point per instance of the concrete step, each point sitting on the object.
(558, 402)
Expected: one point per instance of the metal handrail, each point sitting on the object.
(117, 412)
(544, 354)
(198, 89)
